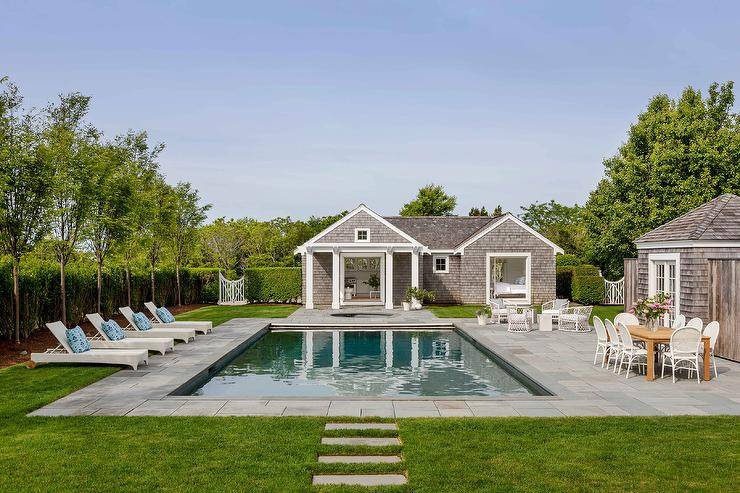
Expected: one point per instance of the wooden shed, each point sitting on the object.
(696, 259)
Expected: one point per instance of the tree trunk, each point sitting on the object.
(177, 280)
(63, 290)
(152, 276)
(16, 302)
(128, 284)
(100, 281)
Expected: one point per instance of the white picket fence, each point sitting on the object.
(231, 292)
(614, 292)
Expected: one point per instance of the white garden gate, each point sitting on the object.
(231, 292)
(614, 292)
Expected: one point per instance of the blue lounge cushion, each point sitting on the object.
(142, 323)
(77, 340)
(164, 315)
(113, 330)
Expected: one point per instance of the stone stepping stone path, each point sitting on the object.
(366, 479)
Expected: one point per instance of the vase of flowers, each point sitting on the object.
(652, 308)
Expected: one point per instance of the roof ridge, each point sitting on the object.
(719, 204)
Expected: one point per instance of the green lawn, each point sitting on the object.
(202, 454)
(468, 311)
(221, 314)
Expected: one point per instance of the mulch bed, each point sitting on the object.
(42, 339)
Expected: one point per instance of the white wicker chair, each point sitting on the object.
(499, 311)
(555, 307)
(679, 321)
(696, 323)
(615, 344)
(575, 319)
(627, 319)
(629, 351)
(519, 319)
(711, 330)
(602, 341)
(684, 348)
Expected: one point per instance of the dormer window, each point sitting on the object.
(362, 235)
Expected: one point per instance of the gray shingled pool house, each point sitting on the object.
(366, 259)
(696, 259)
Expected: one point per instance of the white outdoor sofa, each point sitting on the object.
(64, 354)
(575, 319)
(179, 334)
(200, 327)
(131, 339)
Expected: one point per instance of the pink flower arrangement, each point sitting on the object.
(653, 307)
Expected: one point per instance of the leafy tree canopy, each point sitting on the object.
(431, 200)
(678, 155)
(475, 211)
(559, 223)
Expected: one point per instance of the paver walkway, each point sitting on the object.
(363, 479)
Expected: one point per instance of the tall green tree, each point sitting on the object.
(186, 217)
(481, 211)
(561, 224)
(223, 243)
(24, 186)
(159, 200)
(431, 200)
(69, 147)
(678, 155)
(110, 200)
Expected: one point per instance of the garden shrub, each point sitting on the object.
(563, 281)
(567, 259)
(588, 290)
(586, 270)
(272, 284)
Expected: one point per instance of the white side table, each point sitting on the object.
(545, 322)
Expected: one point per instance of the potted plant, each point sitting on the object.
(373, 281)
(420, 296)
(483, 315)
(652, 308)
(408, 298)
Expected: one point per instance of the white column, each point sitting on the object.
(389, 349)
(309, 280)
(335, 278)
(335, 349)
(415, 268)
(389, 279)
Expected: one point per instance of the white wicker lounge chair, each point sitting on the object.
(555, 307)
(202, 327)
(130, 340)
(179, 334)
(575, 319)
(64, 354)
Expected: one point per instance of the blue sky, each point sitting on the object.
(299, 108)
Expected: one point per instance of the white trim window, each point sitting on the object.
(441, 264)
(362, 235)
(664, 276)
(509, 276)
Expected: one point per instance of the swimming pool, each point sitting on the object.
(362, 363)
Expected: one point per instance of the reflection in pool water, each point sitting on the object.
(361, 363)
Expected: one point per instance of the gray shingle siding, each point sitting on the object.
(401, 276)
(694, 280)
(509, 237)
(322, 263)
(445, 285)
(345, 232)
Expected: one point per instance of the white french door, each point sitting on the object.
(664, 278)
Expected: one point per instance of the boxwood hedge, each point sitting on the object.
(588, 290)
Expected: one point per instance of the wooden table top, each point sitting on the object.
(662, 334)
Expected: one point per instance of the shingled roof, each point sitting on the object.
(718, 219)
(441, 232)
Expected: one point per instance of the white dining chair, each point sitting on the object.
(696, 323)
(602, 340)
(712, 330)
(630, 351)
(684, 347)
(615, 344)
(627, 319)
(679, 321)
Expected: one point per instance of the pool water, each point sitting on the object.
(318, 363)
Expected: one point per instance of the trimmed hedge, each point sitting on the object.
(272, 284)
(567, 259)
(588, 290)
(565, 275)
